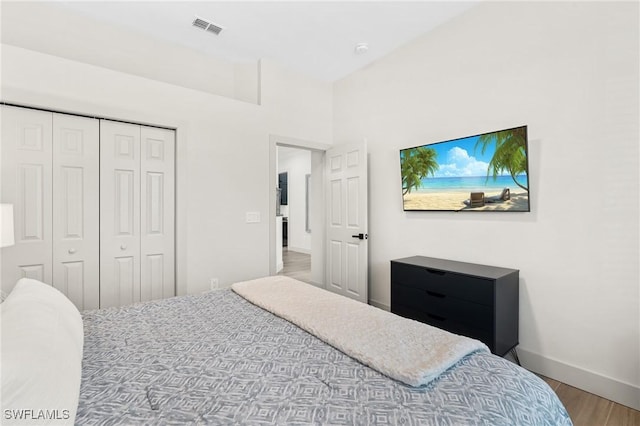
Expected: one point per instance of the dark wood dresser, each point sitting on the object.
(473, 300)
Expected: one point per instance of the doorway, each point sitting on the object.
(298, 212)
(337, 208)
(296, 265)
(292, 212)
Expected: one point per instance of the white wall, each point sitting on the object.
(222, 149)
(297, 164)
(27, 24)
(298, 106)
(570, 72)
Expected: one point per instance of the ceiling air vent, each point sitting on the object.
(207, 26)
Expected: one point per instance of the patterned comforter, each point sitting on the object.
(217, 359)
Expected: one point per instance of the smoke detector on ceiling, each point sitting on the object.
(207, 25)
(361, 48)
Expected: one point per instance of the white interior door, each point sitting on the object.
(347, 243)
(76, 187)
(119, 213)
(94, 206)
(157, 172)
(26, 158)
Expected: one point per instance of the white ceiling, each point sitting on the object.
(315, 37)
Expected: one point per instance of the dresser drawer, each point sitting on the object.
(477, 290)
(442, 306)
(449, 324)
(479, 301)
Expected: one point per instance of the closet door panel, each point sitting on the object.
(157, 213)
(26, 160)
(119, 213)
(76, 187)
(35, 272)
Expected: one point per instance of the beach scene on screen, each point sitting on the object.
(482, 172)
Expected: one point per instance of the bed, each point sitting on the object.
(217, 358)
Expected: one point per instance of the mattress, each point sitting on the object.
(215, 358)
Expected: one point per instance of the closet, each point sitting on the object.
(136, 213)
(93, 206)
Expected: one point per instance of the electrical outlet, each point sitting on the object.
(213, 283)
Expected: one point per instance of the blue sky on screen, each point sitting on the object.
(460, 158)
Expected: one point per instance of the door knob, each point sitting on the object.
(72, 251)
(361, 236)
(123, 247)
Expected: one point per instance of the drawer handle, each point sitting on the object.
(436, 317)
(435, 271)
(434, 294)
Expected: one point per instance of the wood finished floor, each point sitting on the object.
(585, 409)
(296, 265)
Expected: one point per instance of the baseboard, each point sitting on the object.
(379, 305)
(606, 387)
(299, 249)
(319, 285)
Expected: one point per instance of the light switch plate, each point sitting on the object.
(253, 217)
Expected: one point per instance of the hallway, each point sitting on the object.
(296, 265)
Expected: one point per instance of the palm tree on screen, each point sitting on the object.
(510, 153)
(415, 164)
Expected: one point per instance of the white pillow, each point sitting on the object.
(41, 355)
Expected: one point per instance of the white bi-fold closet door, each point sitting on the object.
(50, 173)
(75, 199)
(75, 183)
(136, 213)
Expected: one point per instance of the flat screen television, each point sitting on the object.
(485, 172)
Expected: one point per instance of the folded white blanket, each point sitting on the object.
(406, 350)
